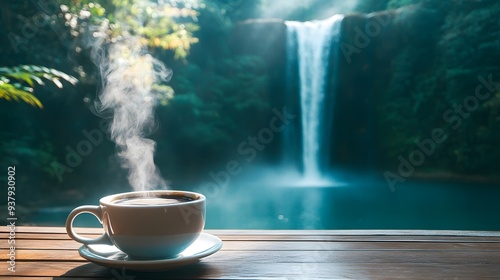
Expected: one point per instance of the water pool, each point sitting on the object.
(362, 205)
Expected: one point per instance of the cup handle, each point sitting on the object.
(94, 210)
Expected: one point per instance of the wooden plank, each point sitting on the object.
(44, 255)
(50, 236)
(360, 232)
(287, 245)
(230, 270)
(43, 244)
(33, 278)
(350, 246)
(331, 256)
(283, 246)
(48, 252)
(288, 235)
(314, 257)
(319, 238)
(333, 238)
(36, 229)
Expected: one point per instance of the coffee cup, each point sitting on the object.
(146, 224)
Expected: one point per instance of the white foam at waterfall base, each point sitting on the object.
(259, 176)
(312, 43)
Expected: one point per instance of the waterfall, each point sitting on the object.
(311, 47)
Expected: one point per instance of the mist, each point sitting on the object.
(303, 10)
(128, 74)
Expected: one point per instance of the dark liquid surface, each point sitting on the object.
(162, 200)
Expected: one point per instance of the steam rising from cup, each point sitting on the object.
(128, 74)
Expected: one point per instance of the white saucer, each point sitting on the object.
(110, 256)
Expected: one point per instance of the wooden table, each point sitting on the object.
(48, 253)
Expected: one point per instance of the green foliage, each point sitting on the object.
(468, 50)
(167, 25)
(432, 75)
(25, 151)
(16, 83)
(368, 6)
(234, 10)
(163, 93)
(213, 111)
(394, 4)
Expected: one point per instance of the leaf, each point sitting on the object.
(9, 92)
(57, 82)
(27, 75)
(21, 76)
(38, 80)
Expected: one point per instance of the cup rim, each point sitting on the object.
(108, 200)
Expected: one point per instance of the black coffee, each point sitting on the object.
(161, 200)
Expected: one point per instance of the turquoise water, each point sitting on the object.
(361, 205)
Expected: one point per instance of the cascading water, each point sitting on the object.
(313, 45)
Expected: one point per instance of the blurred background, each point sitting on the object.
(384, 116)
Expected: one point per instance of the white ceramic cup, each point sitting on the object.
(146, 231)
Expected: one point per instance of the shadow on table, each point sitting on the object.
(90, 270)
